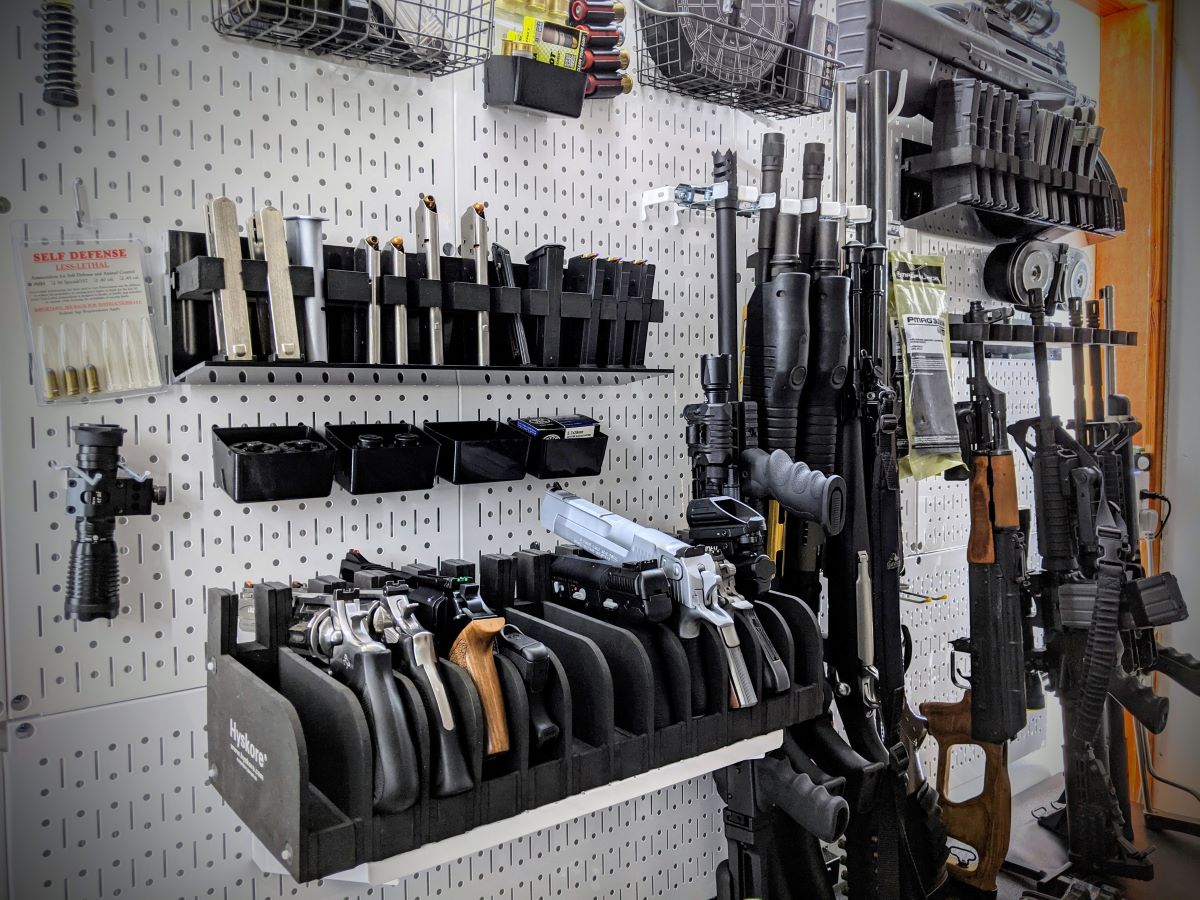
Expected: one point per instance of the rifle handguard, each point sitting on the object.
(828, 367)
(776, 357)
(807, 493)
(472, 650)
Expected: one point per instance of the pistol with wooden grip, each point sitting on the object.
(468, 633)
(981, 822)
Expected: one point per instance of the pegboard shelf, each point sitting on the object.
(479, 839)
(262, 373)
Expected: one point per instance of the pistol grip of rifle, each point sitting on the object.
(806, 493)
(1142, 703)
(369, 674)
(810, 805)
(1182, 668)
(472, 650)
(450, 772)
(983, 821)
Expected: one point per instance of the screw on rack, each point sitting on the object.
(59, 87)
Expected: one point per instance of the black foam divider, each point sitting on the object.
(449, 816)
(779, 709)
(546, 777)
(499, 792)
(632, 682)
(592, 713)
(747, 721)
(710, 725)
(806, 636)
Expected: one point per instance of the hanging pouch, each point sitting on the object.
(918, 312)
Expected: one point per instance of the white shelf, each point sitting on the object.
(392, 869)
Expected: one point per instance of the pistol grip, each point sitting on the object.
(369, 675)
(983, 821)
(472, 650)
(543, 727)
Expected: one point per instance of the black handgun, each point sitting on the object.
(631, 592)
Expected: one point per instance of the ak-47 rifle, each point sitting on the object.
(992, 712)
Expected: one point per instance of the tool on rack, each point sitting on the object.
(473, 231)
(266, 240)
(305, 248)
(369, 258)
(426, 215)
(399, 311)
(230, 306)
(519, 343)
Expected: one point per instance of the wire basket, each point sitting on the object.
(432, 37)
(735, 53)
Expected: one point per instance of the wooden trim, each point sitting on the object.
(1104, 8)
(1135, 110)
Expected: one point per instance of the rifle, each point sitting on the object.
(993, 40)
(1091, 593)
(992, 711)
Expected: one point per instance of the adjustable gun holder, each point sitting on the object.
(598, 317)
(662, 713)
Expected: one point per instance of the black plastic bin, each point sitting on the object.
(520, 81)
(257, 464)
(479, 452)
(370, 462)
(566, 458)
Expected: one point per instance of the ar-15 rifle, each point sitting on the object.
(1090, 590)
(994, 40)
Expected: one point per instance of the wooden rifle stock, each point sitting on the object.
(472, 650)
(993, 503)
(983, 821)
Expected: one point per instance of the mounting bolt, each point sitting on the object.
(211, 664)
(842, 689)
(212, 773)
(286, 855)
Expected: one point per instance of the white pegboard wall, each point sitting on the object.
(172, 113)
(117, 806)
